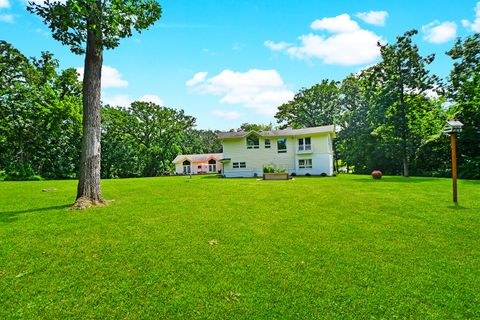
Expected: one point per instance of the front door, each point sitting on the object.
(186, 167)
(212, 165)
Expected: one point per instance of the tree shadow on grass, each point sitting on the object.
(11, 216)
(210, 176)
(456, 206)
(394, 179)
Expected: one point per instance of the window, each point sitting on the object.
(305, 144)
(237, 165)
(267, 143)
(212, 165)
(253, 142)
(305, 164)
(282, 145)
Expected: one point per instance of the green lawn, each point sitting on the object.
(346, 247)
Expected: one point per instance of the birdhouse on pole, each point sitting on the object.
(452, 128)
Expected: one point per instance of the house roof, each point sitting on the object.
(197, 157)
(278, 133)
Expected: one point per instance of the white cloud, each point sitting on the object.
(228, 115)
(8, 18)
(125, 100)
(338, 24)
(4, 4)
(199, 77)
(120, 100)
(436, 32)
(276, 46)
(260, 90)
(347, 45)
(376, 18)
(111, 77)
(152, 98)
(475, 25)
(345, 49)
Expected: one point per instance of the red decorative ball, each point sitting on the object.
(377, 174)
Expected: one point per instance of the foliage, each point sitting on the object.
(273, 169)
(268, 169)
(143, 139)
(201, 141)
(312, 107)
(313, 248)
(40, 118)
(464, 92)
(89, 27)
(71, 21)
(255, 127)
(402, 79)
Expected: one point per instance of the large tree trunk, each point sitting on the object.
(88, 192)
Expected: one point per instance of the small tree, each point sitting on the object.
(88, 27)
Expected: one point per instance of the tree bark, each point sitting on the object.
(88, 192)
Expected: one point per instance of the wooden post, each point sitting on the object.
(453, 139)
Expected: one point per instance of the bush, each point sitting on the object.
(268, 169)
(470, 168)
(377, 174)
(21, 173)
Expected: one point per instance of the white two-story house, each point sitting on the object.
(300, 151)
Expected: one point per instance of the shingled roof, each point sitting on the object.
(278, 133)
(195, 158)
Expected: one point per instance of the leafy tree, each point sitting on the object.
(255, 127)
(201, 141)
(401, 73)
(143, 140)
(88, 27)
(312, 107)
(39, 116)
(465, 93)
(356, 144)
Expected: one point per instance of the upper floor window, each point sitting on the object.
(267, 143)
(282, 145)
(253, 142)
(305, 144)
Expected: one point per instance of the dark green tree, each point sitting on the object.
(88, 27)
(312, 107)
(255, 127)
(401, 73)
(39, 116)
(465, 94)
(201, 141)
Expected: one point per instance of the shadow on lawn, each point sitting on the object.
(394, 179)
(11, 216)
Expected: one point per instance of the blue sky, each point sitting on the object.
(232, 61)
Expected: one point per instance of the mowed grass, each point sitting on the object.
(345, 247)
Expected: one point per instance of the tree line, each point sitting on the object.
(41, 126)
(390, 117)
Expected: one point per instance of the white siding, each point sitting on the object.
(236, 150)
